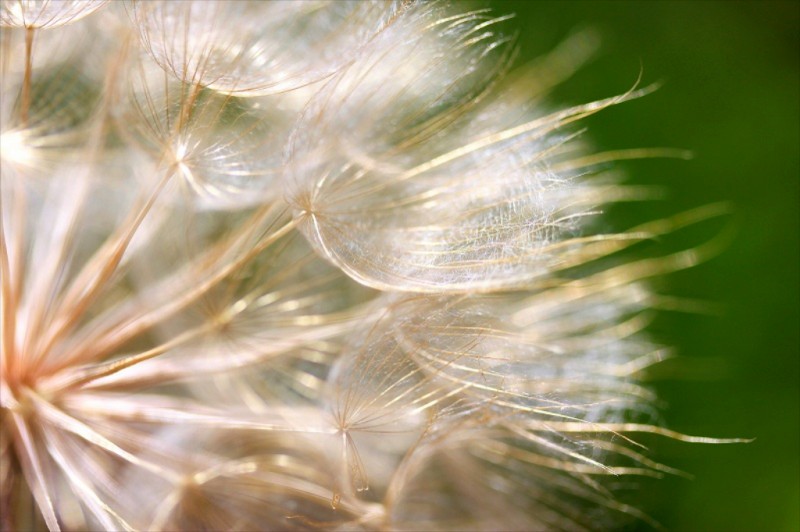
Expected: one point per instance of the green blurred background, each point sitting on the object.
(731, 95)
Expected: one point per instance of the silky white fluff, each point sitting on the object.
(290, 265)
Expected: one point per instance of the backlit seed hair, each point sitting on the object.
(311, 265)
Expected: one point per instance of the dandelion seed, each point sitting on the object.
(45, 13)
(256, 48)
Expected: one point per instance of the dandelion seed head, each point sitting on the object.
(293, 265)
